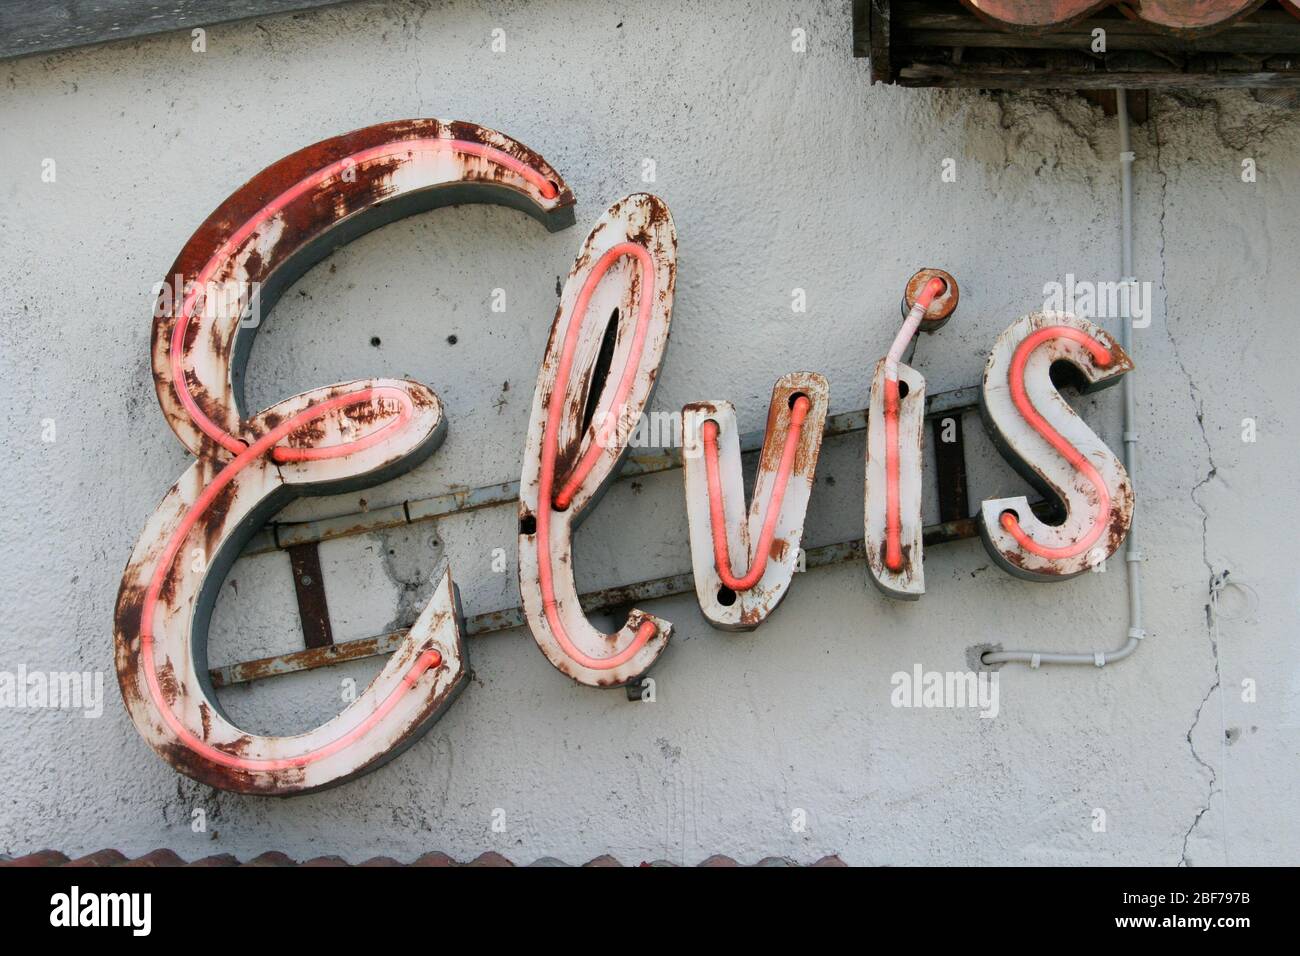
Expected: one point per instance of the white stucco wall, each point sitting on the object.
(782, 170)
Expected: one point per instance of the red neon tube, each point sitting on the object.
(717, 520)
(274, 207)
(429, 659)
(1020, 396)
(550, 446)
(893, 506)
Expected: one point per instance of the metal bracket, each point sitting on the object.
(953, 501)
(950, 468)
(309, 586)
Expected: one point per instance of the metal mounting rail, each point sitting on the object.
(648, 461)
(509, 618)
(301, 537)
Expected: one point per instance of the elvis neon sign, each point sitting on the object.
(356, 434)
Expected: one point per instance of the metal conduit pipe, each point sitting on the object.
(1132, 556)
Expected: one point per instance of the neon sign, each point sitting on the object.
(894, 449)
(625, 273)
(768, 539)
(326, 440)
(1040, 434)
(599, 369)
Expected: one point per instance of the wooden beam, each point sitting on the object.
(861, 28)
(41, 26)
(882, 65)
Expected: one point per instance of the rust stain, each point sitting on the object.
(167, 593)
(943, 305)
(421, 397)
(309, 217)
(167, 681)
(130, 602)
(778, 422)
(215, 520)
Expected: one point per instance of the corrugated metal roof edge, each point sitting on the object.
(276, 858)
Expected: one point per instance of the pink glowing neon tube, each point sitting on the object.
(429, 659)
(893, 507)
(546, 500)
(275, 207)
(717, 519)
(1020, 396)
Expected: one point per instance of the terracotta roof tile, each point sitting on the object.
(40, 858)
(156, 858)
(102, 858)
(1039, 16)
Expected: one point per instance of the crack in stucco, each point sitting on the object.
(1212, 471)
(1214, 777)
(411, 29)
